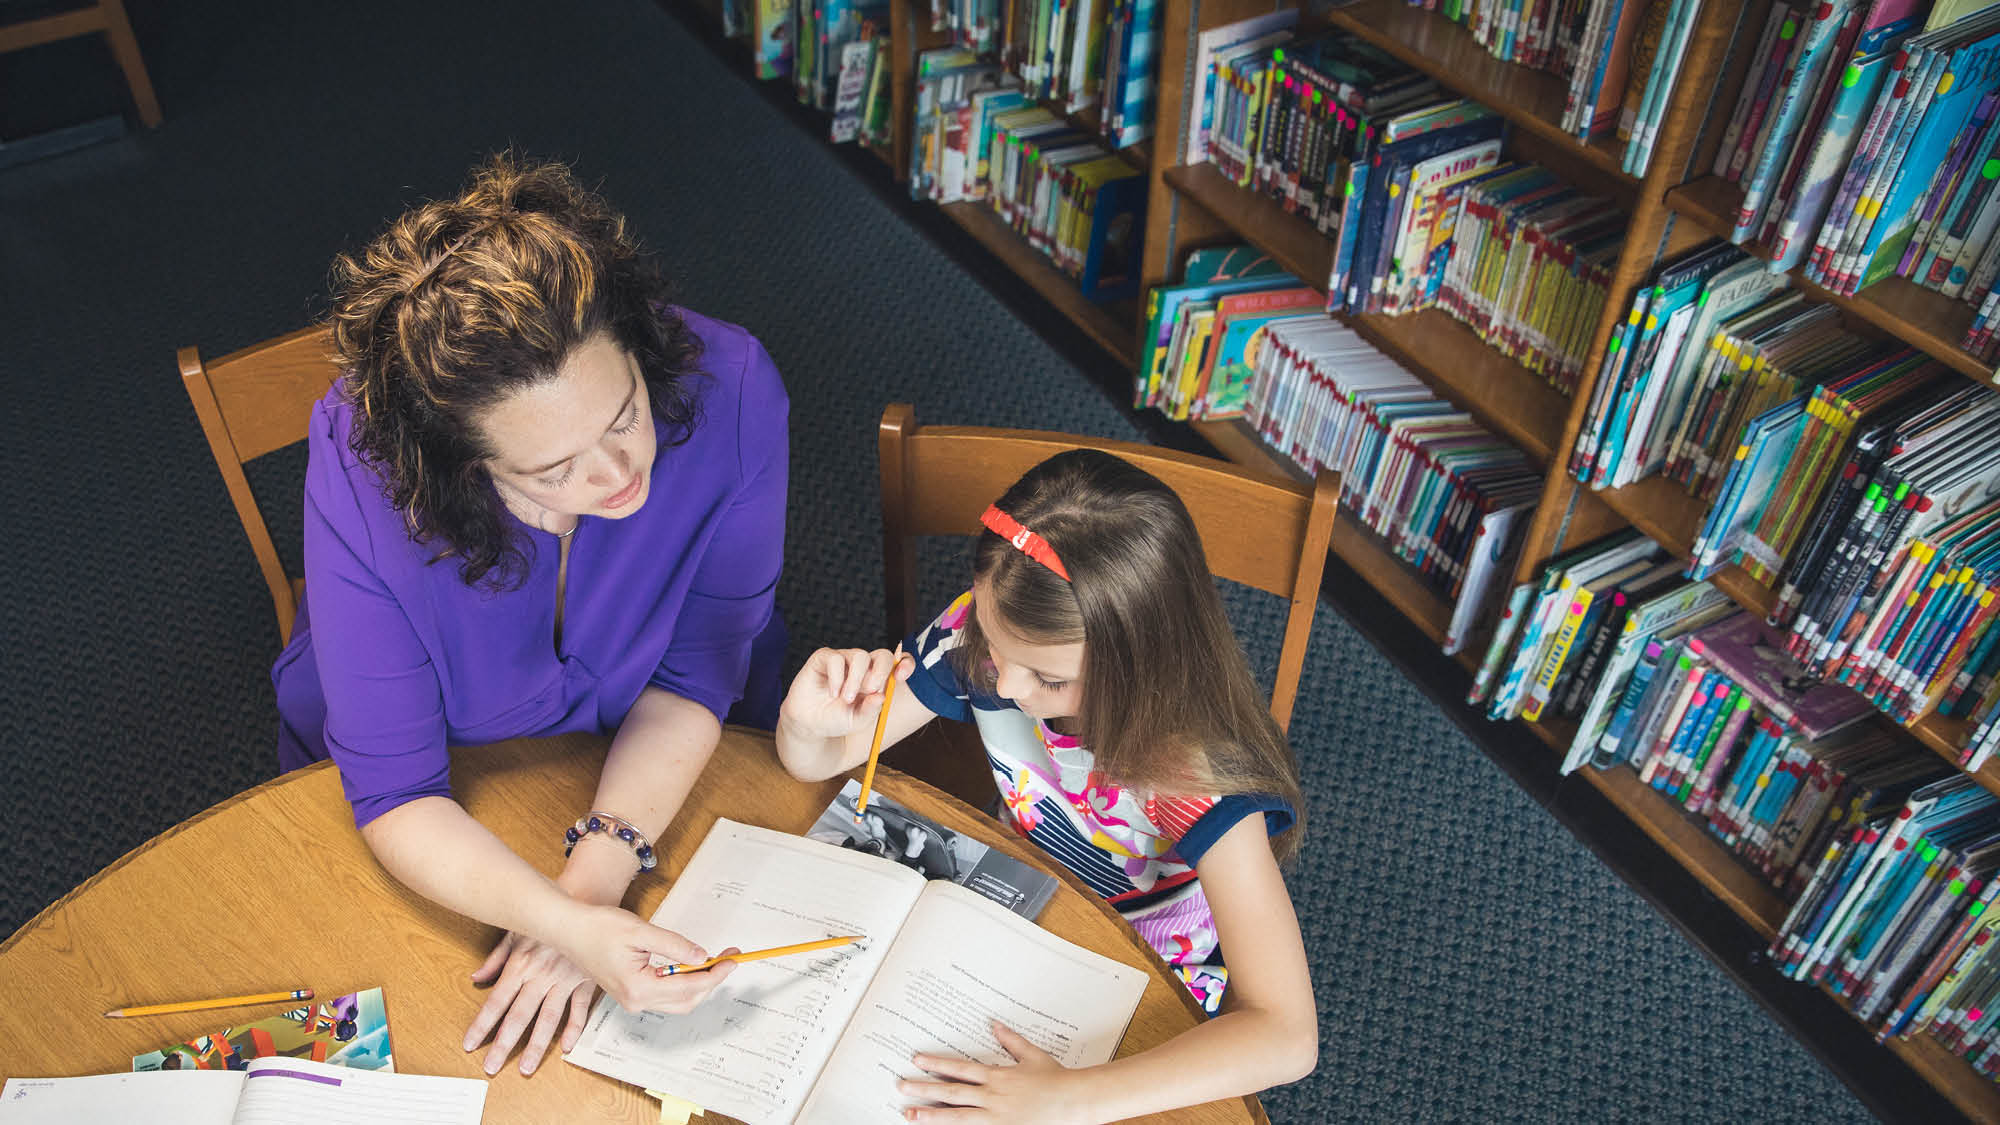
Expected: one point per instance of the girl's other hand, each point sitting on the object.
(840, 690)
(538, 988)
(1036, 1088)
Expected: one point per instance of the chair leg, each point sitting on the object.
(125, 48)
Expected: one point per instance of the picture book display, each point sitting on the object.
(269, 1091)
(350, 1031)
(825, 1036)
(921, 844)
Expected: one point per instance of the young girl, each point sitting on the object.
(1128, 740)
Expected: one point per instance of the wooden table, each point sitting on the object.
(275, 889)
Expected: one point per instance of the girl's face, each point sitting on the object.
(1042, 680)
(580, 444)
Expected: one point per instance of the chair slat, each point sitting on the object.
(260, 387)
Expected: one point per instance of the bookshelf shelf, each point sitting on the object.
(1110, 330)
(1357, 546)
(1683, 837)
(1506, 397)
(1930, 322)
(1531, 99)
(1670, 517)
(1978, 1096)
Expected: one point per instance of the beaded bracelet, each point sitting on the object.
(616, 827)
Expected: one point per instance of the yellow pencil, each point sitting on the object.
(759, 955)
(201, 1005)
(875, 745)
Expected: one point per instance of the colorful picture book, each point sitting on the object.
(350, 1031)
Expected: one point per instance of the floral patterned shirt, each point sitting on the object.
(1138, 850)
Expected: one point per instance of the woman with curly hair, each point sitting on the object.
(539, 500)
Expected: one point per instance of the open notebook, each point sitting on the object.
(824, 1036)
(270, 1091)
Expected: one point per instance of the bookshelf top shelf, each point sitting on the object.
(1928, 321)
(1532, 99)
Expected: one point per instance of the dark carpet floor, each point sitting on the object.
(1473, 961)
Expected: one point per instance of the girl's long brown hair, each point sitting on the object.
(1169, 705)
(463, 302)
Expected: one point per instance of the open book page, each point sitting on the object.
(753, 1048)
(270, 1091)
(179, 1097)
(282, 1091)
(959, 964)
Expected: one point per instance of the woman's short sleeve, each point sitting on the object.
(385, 724)
(736, 582)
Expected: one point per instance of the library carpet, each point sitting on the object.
(1472, 960)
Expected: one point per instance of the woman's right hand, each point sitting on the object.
(840, 691)
(612, 949)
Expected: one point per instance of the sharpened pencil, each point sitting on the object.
(759, 955)
(202, 1005)
(875, 744)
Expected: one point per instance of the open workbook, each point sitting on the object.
(269, 1091)
(824, 1036)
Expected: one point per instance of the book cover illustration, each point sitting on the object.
(350, 1031)
(1752, 654)
(930, 849)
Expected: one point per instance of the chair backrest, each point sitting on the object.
(1256, 530)
(250, 403)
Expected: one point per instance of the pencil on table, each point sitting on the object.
(759, 955)
(881, 723)
(202, 1005)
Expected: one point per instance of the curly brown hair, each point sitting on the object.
(1169, 704)
(463, 302)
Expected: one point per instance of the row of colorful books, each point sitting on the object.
(1897, 921)
(1619, 58)
(1410, 187)
(1864, 142)
(1718, 724)
(1238, 336)
(980, 136)
(1075, 54)
(1447, 497)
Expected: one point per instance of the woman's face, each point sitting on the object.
(580, 444)
(1042, 680)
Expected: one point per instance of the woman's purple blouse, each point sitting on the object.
(394, 658)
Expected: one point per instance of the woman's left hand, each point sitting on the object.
(531, 982)
(1036, 1088)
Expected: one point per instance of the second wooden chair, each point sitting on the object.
(1258, 531)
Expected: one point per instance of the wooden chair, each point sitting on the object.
(1260, 531)
(254, 402)
(107, 16)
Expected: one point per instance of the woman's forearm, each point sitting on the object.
(659, 752)
(434, 847)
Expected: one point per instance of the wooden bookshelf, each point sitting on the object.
(1925, 320)
(1115, 333)
(1191, 206)
(1532, 99)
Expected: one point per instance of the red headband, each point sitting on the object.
(1023, 540)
